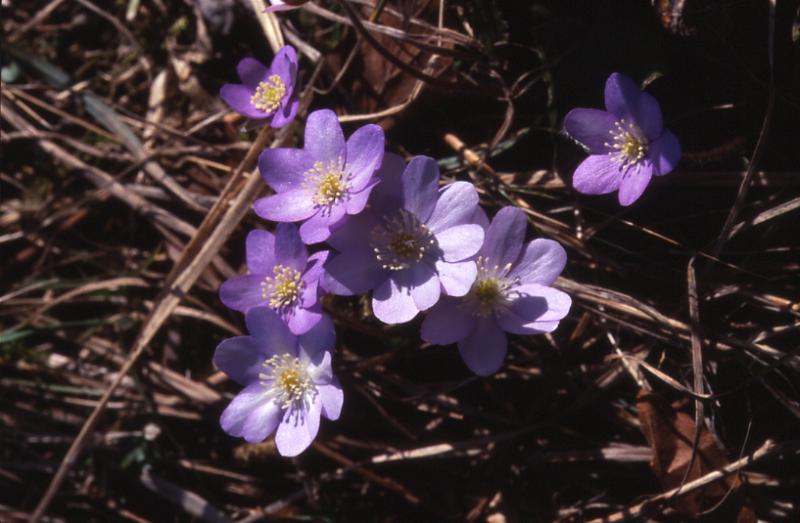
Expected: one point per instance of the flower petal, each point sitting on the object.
(456, 277)
(422, 282)
(456, 206)
(485, 349)
(541, 262)
(237, 96)
(284, 169)
(421, 186)
(364, 154)
(590, 128)
(321, 372)
(388, 195)
(331, 397)
(622, 97)
(242, 293)
(289, 248)
(352, 272)
(353, 233)
(538, 310)
(324, 139)
(597, 174)
(505, 236)
(261, 422)
(460, 242)
(291, 206)
(285, 114)
(300, 320)
(251, 72)
(284, 64)
(392, 304)
(240, 358)
(357, 201)
(270, 333)
(648, 116)
(634, 184)
(665, 153)
(241, 407)
(318, 228)
(319, 339)
(260, 251)
(448, 322)
(295, 433)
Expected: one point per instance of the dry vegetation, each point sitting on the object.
(670, 393)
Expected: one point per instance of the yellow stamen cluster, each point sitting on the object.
(492, 288)
(288, 380)
(628, 148)
(283, 288)
(269, 94)
(327, 182)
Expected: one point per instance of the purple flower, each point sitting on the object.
(414, 243)
(281, 276)
(265, 92)
(279, 5)
(511, 293)
(288, 382)
(627, 142)
(325, 180)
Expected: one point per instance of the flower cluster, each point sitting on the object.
(382, 226)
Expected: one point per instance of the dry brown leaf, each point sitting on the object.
(670, 433)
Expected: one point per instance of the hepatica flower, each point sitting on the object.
(265, 92)
(627, 142)
(288, 382)
(511, 293)
(415, 242)
(281, 276)
(326, 180)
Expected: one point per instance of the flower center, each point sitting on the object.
(492, 288)
(327, 182)
(283, 288)
(269, 94)
(401, 241)
(288, 381)
(629, 147)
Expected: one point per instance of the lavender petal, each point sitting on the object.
(262, 422)
(242, 293)
(284, 169)
(260, 250)
(324, 140)
(541, 262)
(364, 155)
(485, 349)
(665, 153)
(634, 184)
(291, 206)
(391, 304)
(590, 128)
(460, 242)
(240, 408)
(456, 206)
(240, 358)
(420, 185)
(237, 96)
(457, 277)
(295, 433)
(597, 174)
(290, 251)
(649, 116)
(251, 72)
(504, 237)
(448, 322)
(622, 97)
(331, 396)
